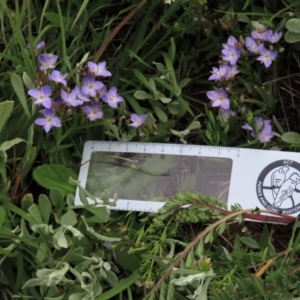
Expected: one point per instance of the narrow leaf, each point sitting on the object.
(18, 86)
(6, 109)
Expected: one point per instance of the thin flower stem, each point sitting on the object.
(194, 243)
(116, 30)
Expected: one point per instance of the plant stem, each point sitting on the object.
(193, 244)
(116, 30)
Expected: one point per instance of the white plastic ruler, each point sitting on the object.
(145, 175)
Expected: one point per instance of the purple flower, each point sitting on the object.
(102, 91)
(258, 35)
(247, 127)
(267, 56)
(264, 129)
(49, 121)
(112, 98)
(231, 41)
(232, 71)
(80, 96)
(219, 98)
(70, 99)
(47, 61)
(273, 37)
(219, 74)
(251, 45)
(94, 111)
(265, 135)
(57, 77)
(231, 54)
(98, 69)
(41, 96)
(109, 246)
(90, 86)
(38, 46)
(137, 120)
(225, 114)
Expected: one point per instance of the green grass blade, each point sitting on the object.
(122, 285)
(18, 86)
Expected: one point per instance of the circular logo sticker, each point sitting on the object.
(278, 186)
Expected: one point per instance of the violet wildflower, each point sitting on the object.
(219, 73)
(273, 37)
(264, 129)
(265, 135)
(109, 246)
(47, 61)
(41, 96)
(49, 121)
(219, 98)
(112, 98)
(40, 45)
(251, 45)
(90, 86)
(70, 99)
(98, 69)
(232, 71)
(80, 95)
(258, 35)
(102, 91)
(231, 41)
(225, 114)
(57, 77)
(247, 127)
(266, 56)
(137, 120)
(231, 54)
(93, 112)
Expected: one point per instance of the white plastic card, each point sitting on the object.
(145, 175)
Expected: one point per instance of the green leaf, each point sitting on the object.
(165, 100)
(8, 144)
(160, 113)
(184, 82)
(59, 239)
(6, 109)
(175, 108)
(249, 242)
(194, 125)
(45, 208)
(55, 19)
(292, 37)
(257, 25)
(69, 218)
(265, 237)
(293, 25)
(55, 176)
(18, 86)
(227, 254)
(291, 138)
(27, 81)
(57, 197)
(278, 126)
(70, 200)
(101, 212)
(172, 50)
(2, 215)
(141, 95)
(35, 213)
(121, 286)
(32, 282)
(26, 201)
